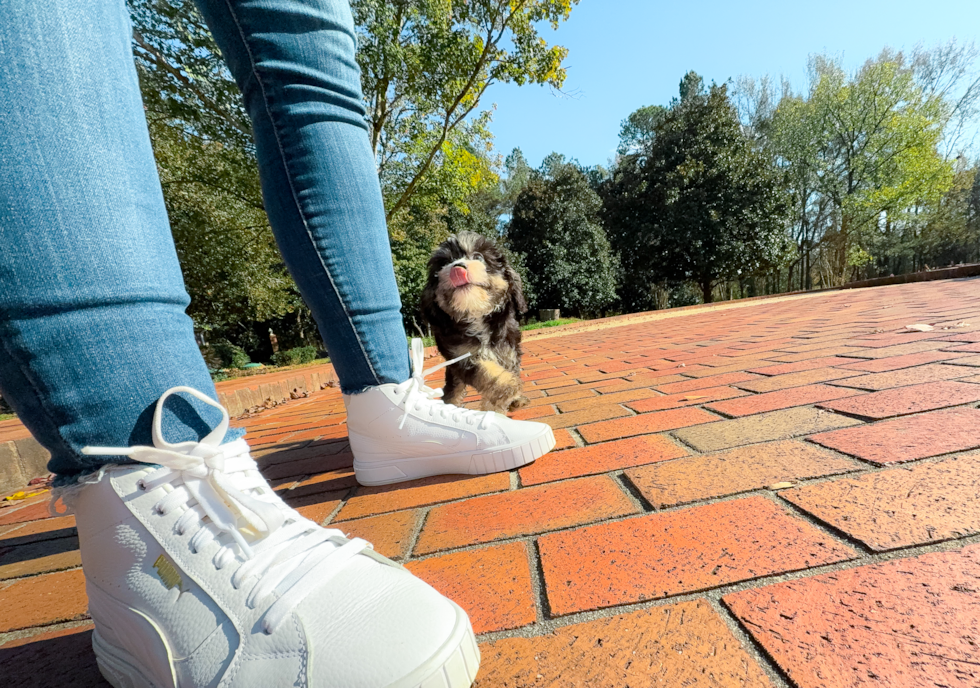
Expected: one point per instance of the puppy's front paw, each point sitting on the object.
(519, 403)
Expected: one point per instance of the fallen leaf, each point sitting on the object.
(17, 496)
(780, 486)
(693, 398)
(919, 328)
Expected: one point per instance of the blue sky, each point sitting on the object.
(627, 53)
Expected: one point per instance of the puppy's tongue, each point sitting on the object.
(458, 276)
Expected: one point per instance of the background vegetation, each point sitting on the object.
(729, 190)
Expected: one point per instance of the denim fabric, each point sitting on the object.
(92, 322)
(294, 63)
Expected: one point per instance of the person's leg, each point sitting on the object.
(294, 63)
(92, 322)
(197, 573)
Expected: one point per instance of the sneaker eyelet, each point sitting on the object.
(140, 485)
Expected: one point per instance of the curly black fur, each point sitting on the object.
(479, 318)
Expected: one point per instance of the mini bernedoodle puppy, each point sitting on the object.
(472, 302)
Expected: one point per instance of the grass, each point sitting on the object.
(549, 323)
(235, 373)
(7, 416)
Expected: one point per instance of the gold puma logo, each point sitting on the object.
(168, 573)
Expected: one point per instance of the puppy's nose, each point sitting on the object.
(459, 276)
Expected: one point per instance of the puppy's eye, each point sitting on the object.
(479, 257)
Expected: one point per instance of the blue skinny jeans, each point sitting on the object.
(93, 326)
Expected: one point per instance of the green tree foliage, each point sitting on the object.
(555, 229)
(699, 202)
(183, 77)
(232, 268)
(426, 65)
(861, 152)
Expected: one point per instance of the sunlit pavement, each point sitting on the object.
(785, 493)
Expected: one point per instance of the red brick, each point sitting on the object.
(34, 531)
(589, 415)
(907, 376)
(704, 383)
(39, 557)
(321, 464)
(972, 361)
(646, 423)
(697, 397)
(683, 644)
(908, 438)
(318, 507)
(563, 440)
(30, 512)
(369, 501)
(389, 533)
(973, 348)
(62, 657)
(822, 353)
(638, 381)
(784, 398)
(910, 622)
(610, 456)
(738, 470)
(576, 393)
(800, 366)
(900, 349)
(614, 398)
(678, 552)
(739, 365)
(532, 413)
(883, 365)
(302, 486)
(891, 339)
(43, 600)
(524, 512)
(901, 507)
(903, 401)
(554, 383)
(764, 427)
(806, 377)
(493, 584)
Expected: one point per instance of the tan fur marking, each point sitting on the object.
(495, 371)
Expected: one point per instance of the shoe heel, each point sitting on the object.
(378, 475)
(115, 669)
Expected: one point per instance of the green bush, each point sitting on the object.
(302, 354)
(231, 356)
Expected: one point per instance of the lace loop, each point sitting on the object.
(221, 489)
(417, 393)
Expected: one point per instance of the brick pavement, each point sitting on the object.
(783, 493)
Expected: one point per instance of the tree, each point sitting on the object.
(231, 266)
(426, 66)
(699, 203)
(638, 129)
(864, 149)
(555, 229)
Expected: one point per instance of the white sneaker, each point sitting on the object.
(199, 575)
(402, 432)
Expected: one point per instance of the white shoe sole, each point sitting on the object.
(386, 471)
(454, 665)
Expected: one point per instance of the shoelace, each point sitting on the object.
(419, 396)
(223, 494)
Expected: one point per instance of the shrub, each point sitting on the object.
(302, 354)
(231, 356)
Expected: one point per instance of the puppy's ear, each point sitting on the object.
(515, 289)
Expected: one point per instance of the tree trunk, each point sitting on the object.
(706, 291)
